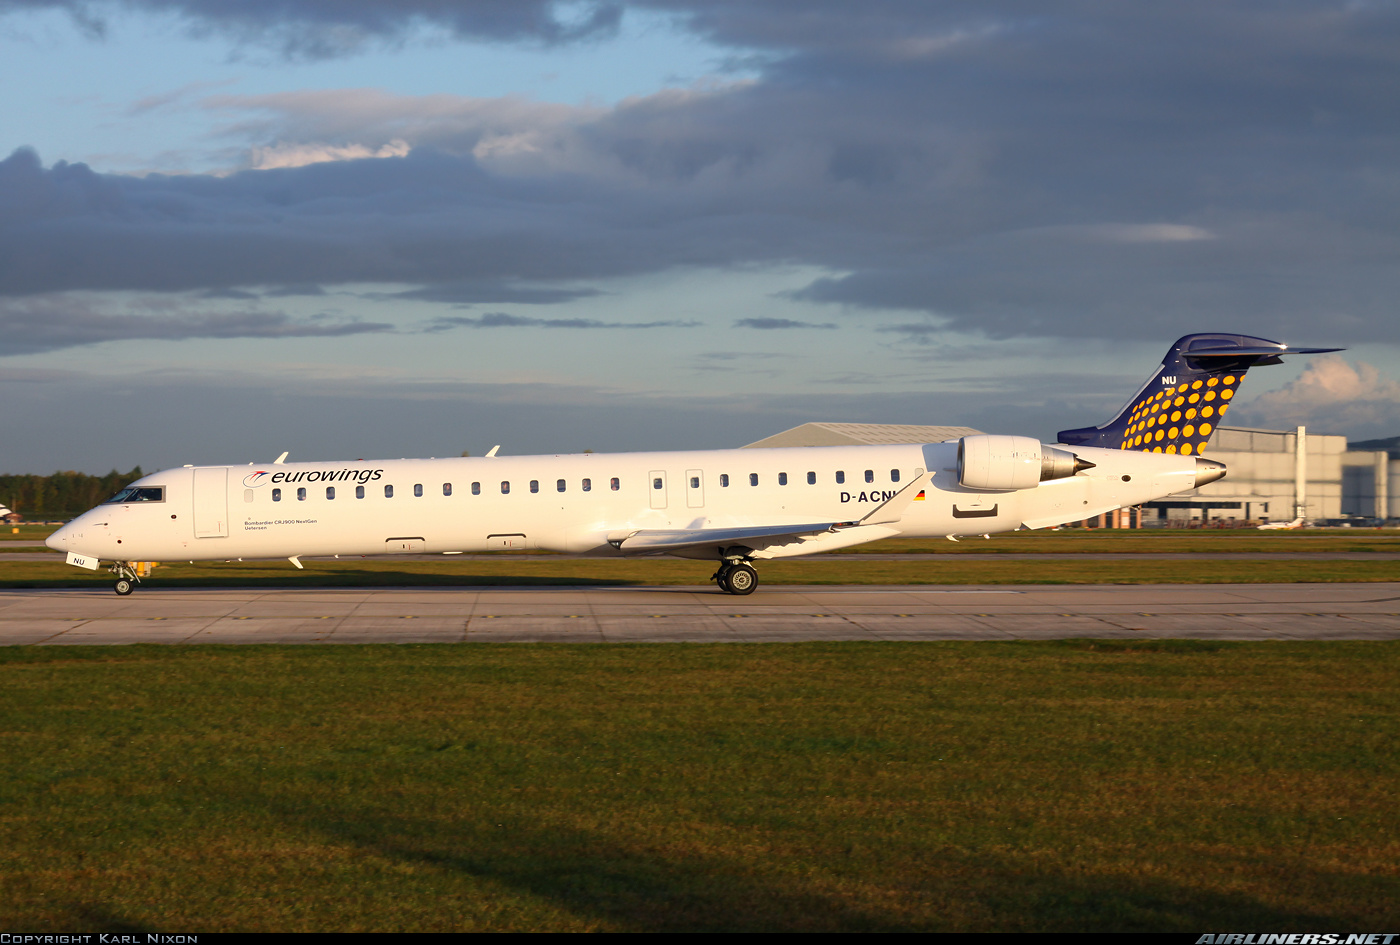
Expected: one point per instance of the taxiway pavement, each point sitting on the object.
(1369, 611)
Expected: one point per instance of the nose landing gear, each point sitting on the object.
(126, 574)
(736, 575)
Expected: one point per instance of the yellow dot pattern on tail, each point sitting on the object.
(1180, 418)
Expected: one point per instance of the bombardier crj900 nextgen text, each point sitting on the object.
(730, 506)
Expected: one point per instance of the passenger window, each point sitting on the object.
(534, 485)
(811, 479)
(587, 485)
(870, 475)
(695, 482)
(359, 492)
(724, 480)
(616, 484)
(753, 479)
(782, 479)
(330, 492)
(560, 485)
(656, 483)
(840, 476)
(301, 494)
(418, 489)
(476, 488)
(447, 488)
(388, 492)
(276, 495)
(894, 475)
(505, 487)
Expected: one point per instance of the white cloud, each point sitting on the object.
(1152, 233)
(300, 155)
(1124, 232)
(1333, 396)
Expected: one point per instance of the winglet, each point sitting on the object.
(493, 451)
(281, 459)
(892, 509)
(296, 560)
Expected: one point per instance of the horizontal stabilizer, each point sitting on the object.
(650, 541)
(1263, 350)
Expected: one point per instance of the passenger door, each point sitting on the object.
(211, 503)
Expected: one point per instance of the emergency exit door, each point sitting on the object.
(656, 480)
(695, 488)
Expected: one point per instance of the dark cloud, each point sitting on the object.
(237, 295)
(1071, 169)
(505, 320)
(318, 29)
(47, 324)
(473, 293)
(292, 291)
(777, 324)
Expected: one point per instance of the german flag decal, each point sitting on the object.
(920, 496)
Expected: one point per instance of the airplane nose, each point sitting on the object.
(58, 541)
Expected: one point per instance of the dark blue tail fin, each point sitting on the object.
(1178, 408)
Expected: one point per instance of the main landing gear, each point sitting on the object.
(126, 574)
(736, 576)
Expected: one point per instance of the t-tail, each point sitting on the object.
(1179, 407)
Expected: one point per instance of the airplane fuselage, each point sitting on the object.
(587, 503)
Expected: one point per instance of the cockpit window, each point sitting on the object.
(138, 494)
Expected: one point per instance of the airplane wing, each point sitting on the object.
(649, 541)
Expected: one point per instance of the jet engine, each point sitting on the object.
(1005, 463)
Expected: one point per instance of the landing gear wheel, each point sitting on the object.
(722, 579)
(740, 579)
(123, 586)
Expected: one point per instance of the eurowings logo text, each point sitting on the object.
(253, 480)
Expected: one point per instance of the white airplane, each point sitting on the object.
(733, 507)
(1271, 526)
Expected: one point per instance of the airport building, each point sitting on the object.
(1274, 475)
(1280, 475)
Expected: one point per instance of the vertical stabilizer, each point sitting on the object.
(1179, 407)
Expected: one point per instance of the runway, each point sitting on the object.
(702, 614)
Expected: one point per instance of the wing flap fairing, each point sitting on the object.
(665, 541)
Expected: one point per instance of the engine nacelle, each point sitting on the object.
(1006, 463)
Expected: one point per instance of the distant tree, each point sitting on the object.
(63, 495)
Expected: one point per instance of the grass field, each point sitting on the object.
(1167, 786)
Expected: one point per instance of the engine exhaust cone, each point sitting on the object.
(1208, 470)
(1060, 464)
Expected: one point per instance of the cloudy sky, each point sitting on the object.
(373, 228)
